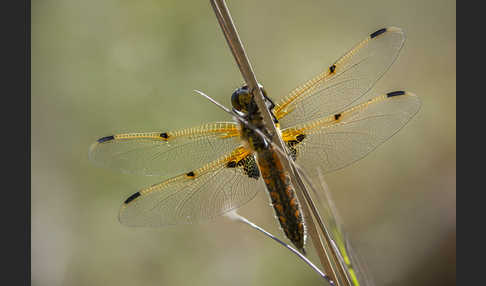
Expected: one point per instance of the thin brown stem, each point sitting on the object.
(224, 18)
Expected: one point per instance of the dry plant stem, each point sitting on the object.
(327, 237)
(234, 42)
(325, 188)
(235, 216)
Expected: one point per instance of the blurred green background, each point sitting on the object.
(102, 67)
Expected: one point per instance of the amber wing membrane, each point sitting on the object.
(209, 173)
(344, 82)
(164, 153)
(340, 139)
(198, 195)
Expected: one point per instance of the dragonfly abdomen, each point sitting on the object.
(282, 194)
(283, 197)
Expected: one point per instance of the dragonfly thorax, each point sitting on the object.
(245, 106)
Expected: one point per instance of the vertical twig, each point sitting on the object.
(224, 18)
(327, 236)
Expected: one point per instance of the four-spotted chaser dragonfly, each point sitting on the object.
(326, 123)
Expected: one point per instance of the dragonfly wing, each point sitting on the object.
(201, 194)
(344, 82)
(357, 273)
(165, 153)
(336, 141)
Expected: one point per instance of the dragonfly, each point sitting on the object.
(327, 123)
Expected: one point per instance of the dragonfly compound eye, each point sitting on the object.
(240, 99)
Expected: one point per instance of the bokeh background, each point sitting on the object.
(101, 67)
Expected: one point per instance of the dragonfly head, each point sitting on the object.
(242, 97)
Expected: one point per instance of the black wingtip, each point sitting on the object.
(395, 93)
(106, 138)
(132, 197)
(377, 33)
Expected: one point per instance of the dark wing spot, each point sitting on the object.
(377, 33)
(191, 174)
(132, 197)
(337, 116)
(252, 170)
(332, 68)
(291, 145)
(164, 135)
(292, 149)
(250, 166)
(300, 137)
(395, 93)
(231, 164)
(107, 138)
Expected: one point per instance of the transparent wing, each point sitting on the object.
(344, 82)
(198, 195)
(336, 141)
(165, 153)
(356, 271)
